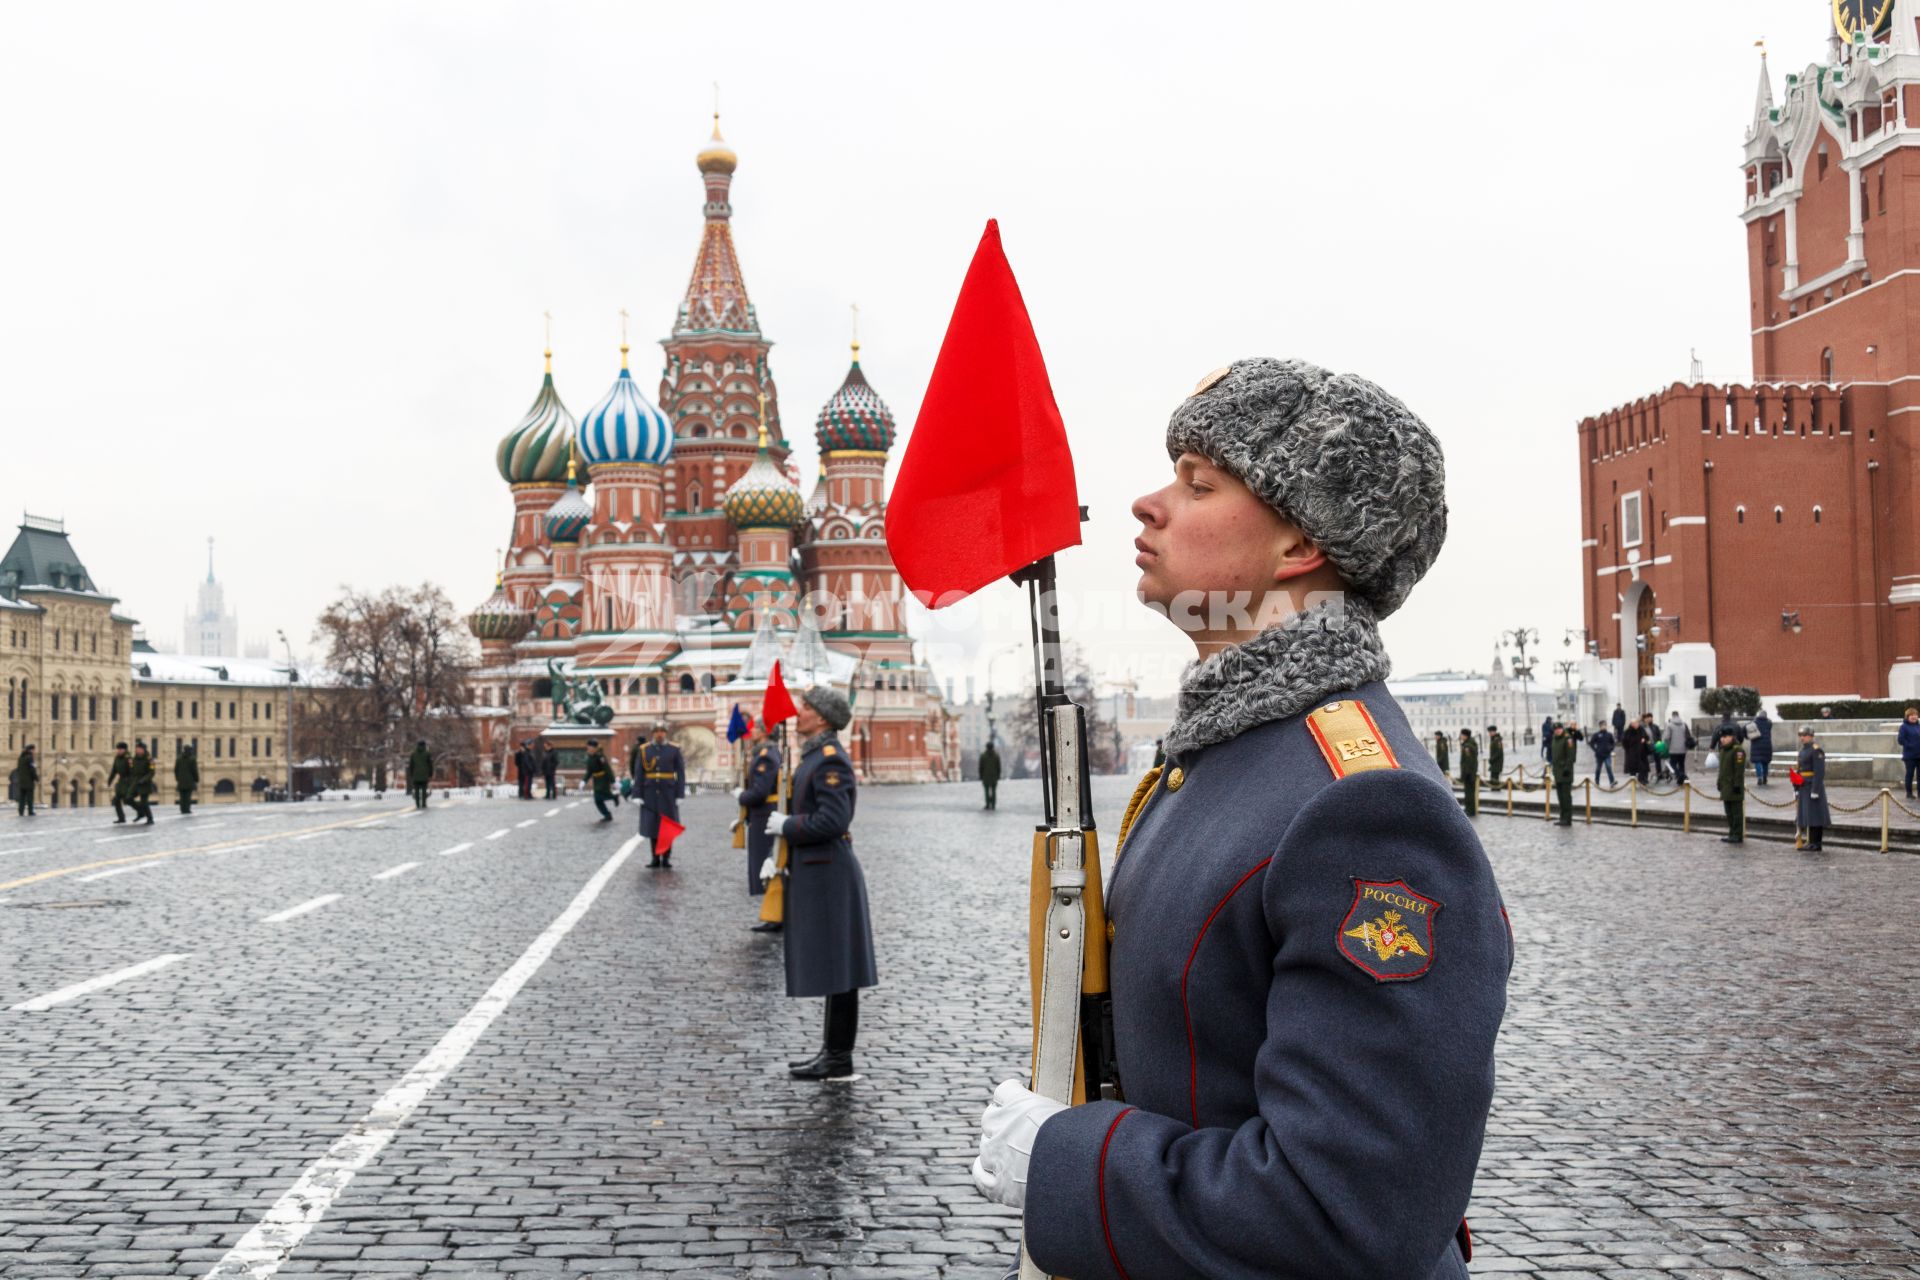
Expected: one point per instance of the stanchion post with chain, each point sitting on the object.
(1509, 796)
(1686, 809)
(1886, 816)
(1633, 802)
(1588, 784)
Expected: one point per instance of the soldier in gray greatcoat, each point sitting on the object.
(1309, 954)
(760, 797)
(1811, 791)
(828, 930)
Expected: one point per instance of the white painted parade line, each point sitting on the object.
(576, 804)
(501, 832)
(529, 822)
(117, 871)
(265, 1248)
(131, 835)
(374, 822)
(32, 848)
(553, 812)
(312, 904)
(391, 872)
(311, 835)
(462, 847)
(78, 989)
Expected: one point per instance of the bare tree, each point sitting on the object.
(402, 660)
(1020, 723)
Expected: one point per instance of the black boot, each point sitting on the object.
(843, 1024)
(809, 1064)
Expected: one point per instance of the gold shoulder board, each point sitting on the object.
(1140, 794)
(1349, 739)
(829, 750)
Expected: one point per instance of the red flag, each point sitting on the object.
(779, 704)
(986, 486)
(669, 832)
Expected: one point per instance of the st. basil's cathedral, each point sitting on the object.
(666, 556)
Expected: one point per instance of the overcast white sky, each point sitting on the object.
(275, 275)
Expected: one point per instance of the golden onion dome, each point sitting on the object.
(716, 156)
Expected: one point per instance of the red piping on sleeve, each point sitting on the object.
(1105, 1230)
(1193, 1059)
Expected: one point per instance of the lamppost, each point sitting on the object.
(999, 654)
(1566, 668)
(290, 679)
(1520, 638)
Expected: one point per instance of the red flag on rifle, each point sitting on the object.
(779, 703)
(986, 486)
(669, 832)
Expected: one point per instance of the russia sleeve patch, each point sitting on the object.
(1349, 739)
(1388, 932)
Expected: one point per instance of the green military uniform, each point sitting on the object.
(419, 774)
(140, 786)
(1733, 787)
(1469, 770)
(1564, 750)
(186, 777)
(1496, 757)
(1440, 752)
(117, 778)
(990, 774)
(600, 774)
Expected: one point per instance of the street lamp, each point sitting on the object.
(1520, 638)
(999, 654)
(290, 678)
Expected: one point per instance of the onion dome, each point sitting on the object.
(624, 426)
(856, 418)
(535, 452)
(499, 618)
(569, 514)
(764, 498)
(717, 156)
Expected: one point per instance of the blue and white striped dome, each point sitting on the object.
(624, 427)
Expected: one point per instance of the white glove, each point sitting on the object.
(736, 824)
(740, 796)
(768, 871)
(1008, 1128)
(774, 819)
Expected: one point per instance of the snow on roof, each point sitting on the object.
(180, 668)
(1428, 687)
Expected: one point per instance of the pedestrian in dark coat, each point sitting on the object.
(140, 784)
(117, 776)
(1733, 782)
(600, 778)
(1278, 940)
(1680, 740)
(1619, 721)
(1470, 773)
(523, 770)
(1811, 791)
(186, 776)
(550, 773)
(760, 797)
(1602, 742)
(1496, 756)
(829, 932)
(1546, 738)
(1441, 756)
(1761, 752)
(1633, 751)
(419, 773)
(1910, 746)
(659, 782)
(990, 775)
(26, 779)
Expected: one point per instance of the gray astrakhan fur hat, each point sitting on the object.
(830, 703)
(1334, 454)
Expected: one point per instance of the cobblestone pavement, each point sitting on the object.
(1707, 1068)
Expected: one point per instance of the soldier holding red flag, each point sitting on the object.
(659, 781)
(1308, 954)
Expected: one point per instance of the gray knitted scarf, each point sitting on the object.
(1279, 673)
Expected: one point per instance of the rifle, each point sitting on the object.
(1067, 935)
(773, 903)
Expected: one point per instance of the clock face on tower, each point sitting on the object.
(1868, 16)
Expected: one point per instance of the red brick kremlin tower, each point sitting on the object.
(667, 553)
(1769, 534)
